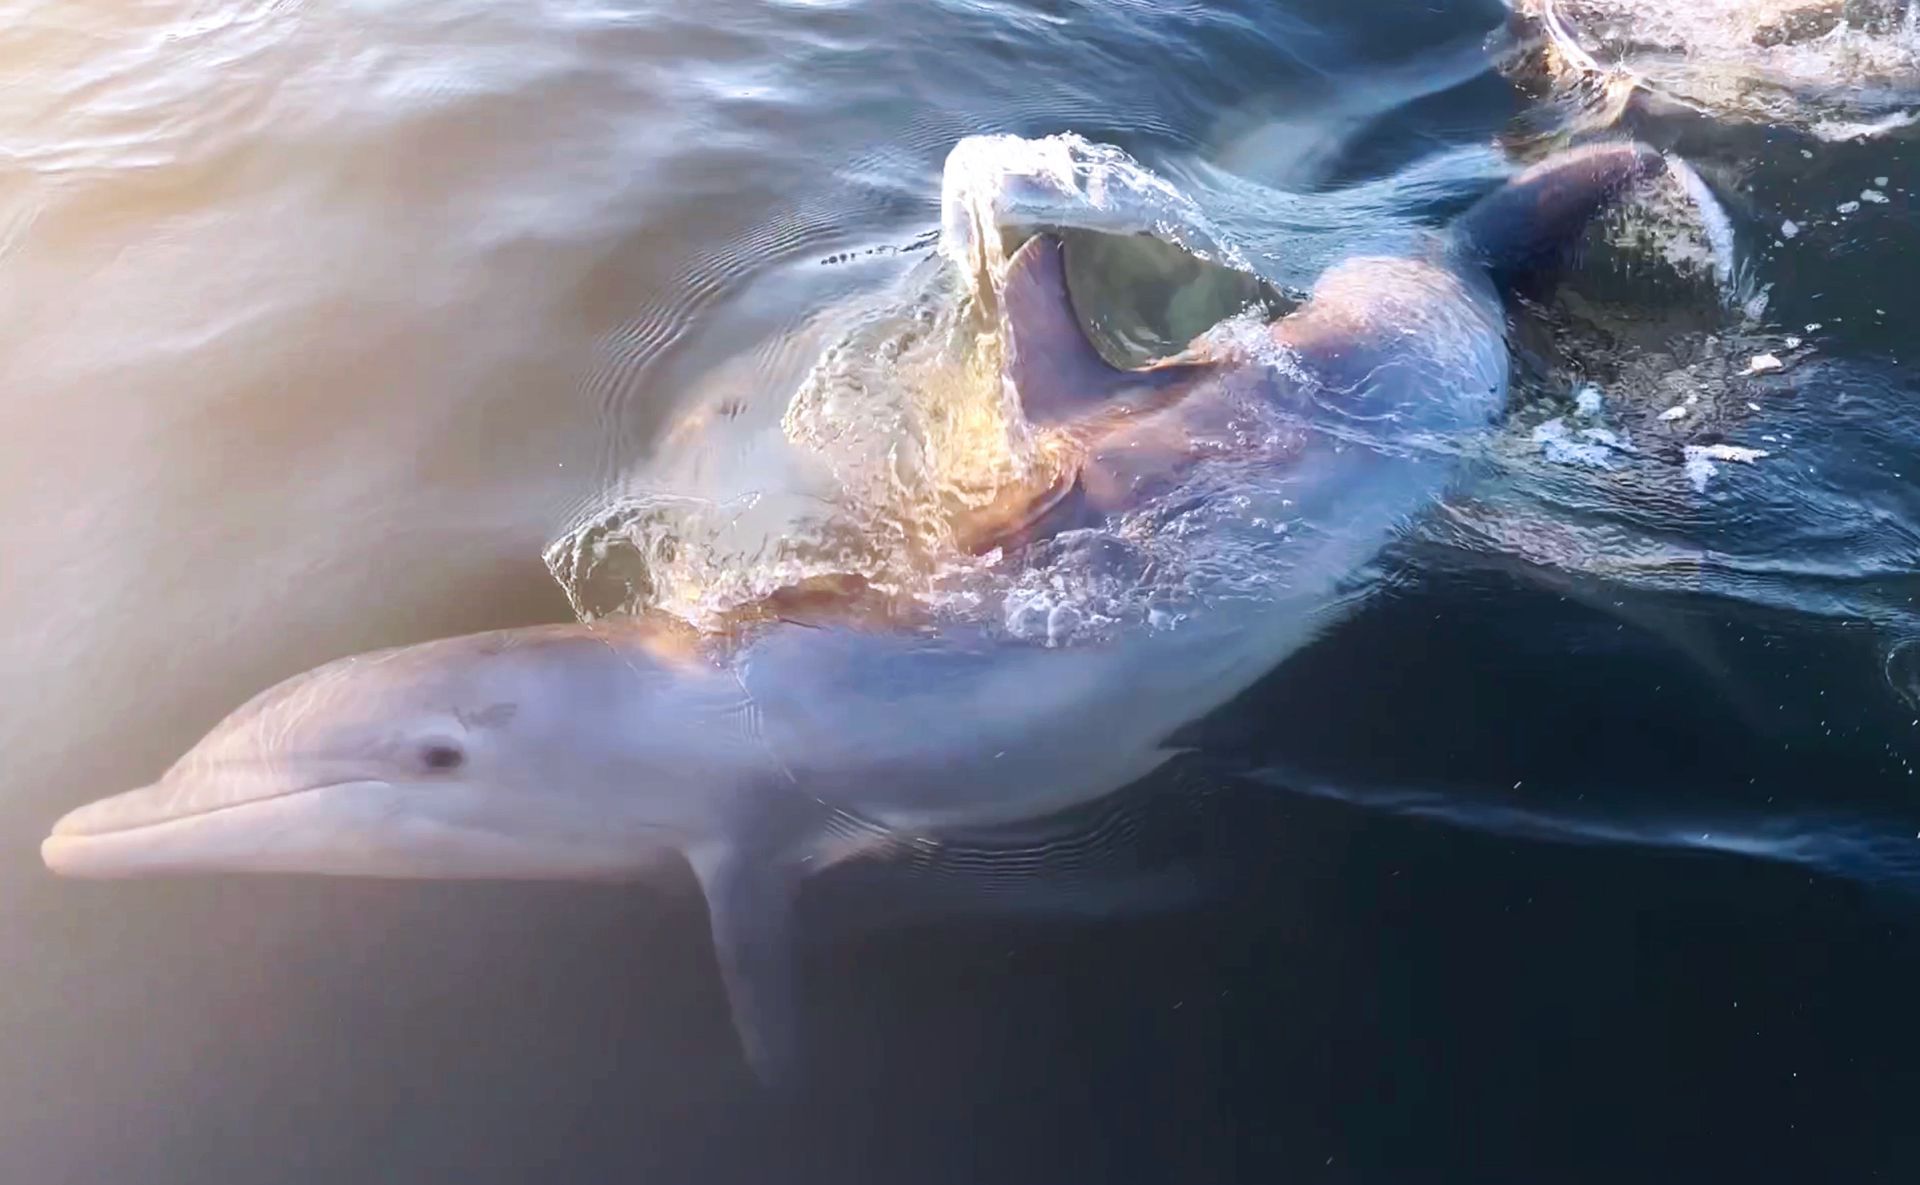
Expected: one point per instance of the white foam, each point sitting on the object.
(1681, 222)
(1714, 222)
(1699, 471)
(1729, 452)
(1700, 458)
(1560, 445)
(1844, 129)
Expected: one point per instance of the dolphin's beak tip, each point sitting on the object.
(56, 852)
(71, 823)
(72, 846)
(63, 849)
(90, 819)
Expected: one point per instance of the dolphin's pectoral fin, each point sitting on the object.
(751, 879)
(750, 895)
(1056, 371)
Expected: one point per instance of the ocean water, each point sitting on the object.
(1586, 849)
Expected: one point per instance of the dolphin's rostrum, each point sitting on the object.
(609, 750)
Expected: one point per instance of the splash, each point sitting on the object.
(906, 430)
(1837, 68)
(906, 418)
(996, 186)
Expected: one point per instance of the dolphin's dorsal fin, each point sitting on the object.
(1541, 212)
(1055, 370)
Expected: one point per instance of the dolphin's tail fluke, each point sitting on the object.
(1539, 214)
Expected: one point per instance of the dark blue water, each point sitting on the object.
(1588, 850)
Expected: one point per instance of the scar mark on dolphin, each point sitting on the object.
(681, 649)
(750, 709)
(491, 716)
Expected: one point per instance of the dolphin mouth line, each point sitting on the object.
(75, 825)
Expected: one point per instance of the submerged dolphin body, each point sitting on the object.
(610, 750)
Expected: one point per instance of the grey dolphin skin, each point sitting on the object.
(617, 750)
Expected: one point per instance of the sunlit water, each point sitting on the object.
(330, 328)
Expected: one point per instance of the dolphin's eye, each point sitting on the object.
(441, 755)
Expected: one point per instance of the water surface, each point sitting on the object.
(1583, 852)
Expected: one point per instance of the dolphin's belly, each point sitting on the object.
(933, 733)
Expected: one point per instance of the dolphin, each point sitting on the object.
(624, 750)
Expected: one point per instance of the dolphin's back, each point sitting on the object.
(1396, 345)
(1418, 342)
